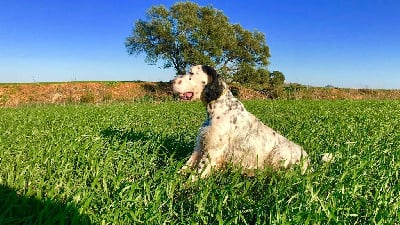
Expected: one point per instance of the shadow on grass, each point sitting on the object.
(19, 209)
(175, 144)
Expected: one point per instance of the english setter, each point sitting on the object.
(230, 133)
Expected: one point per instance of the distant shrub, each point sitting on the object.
(112, 83)
(107, 97)
(88, 97)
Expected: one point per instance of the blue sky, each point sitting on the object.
(345, 43)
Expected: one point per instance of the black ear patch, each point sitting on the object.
(210, 71)
(213, 90)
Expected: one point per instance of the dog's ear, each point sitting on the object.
(214, 89)
(209, 71)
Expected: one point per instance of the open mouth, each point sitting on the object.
(186, 96)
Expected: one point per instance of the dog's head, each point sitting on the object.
(202, 82)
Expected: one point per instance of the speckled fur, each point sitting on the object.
(230, 133)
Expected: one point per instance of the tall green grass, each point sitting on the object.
(118, 163)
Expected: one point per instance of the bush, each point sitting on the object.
(88, 97)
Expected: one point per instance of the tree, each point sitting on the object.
(276, 78)
(189, 34)
(276, 83)
(257, 78)
(261, 80)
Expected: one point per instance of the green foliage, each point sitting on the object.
(118, 163)
(269, 84)
(112, 83)
(276, 83)
(251, 76)
(189, 34)
(276, 78)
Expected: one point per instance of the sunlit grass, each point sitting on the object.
(118, 163)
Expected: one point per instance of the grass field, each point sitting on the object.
(118, 163)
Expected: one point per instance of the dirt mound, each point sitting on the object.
(76, 92)
(341, 93)
(114, 91)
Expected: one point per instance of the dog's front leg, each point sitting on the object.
(211, 161)
(197, 154)
(192, 162)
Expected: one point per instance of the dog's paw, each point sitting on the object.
(184, 170)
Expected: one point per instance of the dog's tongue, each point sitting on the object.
(189, 94)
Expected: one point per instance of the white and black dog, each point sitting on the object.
(230, 133)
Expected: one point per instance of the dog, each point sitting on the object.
(231, 134)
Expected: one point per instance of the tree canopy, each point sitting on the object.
(187, 34)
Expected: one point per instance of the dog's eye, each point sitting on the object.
(190, 75)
